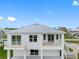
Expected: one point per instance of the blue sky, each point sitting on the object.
(54, 13)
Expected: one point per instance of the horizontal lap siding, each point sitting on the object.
(33, 57)
(51, 53)
(18, 52)
(50, 57)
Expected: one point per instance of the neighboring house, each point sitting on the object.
(35, 41)
(74, 32)
(1, 39)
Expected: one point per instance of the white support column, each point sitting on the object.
(62, 57)
(62, 54)
(41, 54)
(76, 50)
(62, 40)
(8, 54)
(46, 38)
(55, 38)
(24, 54)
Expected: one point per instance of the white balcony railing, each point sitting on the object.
(7, 45)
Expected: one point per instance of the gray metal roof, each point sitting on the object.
(36, 28)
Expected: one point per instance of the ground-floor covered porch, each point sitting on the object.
(36, 57)
(41, 54)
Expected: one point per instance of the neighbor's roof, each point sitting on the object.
(36, 28)
(74, 30)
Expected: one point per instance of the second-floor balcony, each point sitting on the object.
(17, 46)
(51, 45)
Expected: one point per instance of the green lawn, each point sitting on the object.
(78, 56)
(67, 36)
(3, 53)
(76, 42)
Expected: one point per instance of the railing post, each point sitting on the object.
(24, 51)
(8, 54)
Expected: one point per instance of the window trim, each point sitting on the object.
(16, 42)
(33, 38)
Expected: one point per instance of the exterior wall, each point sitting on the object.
(31, 45)
(55, 40)
(25, 40)
(10, 38)
(33, 57)
(18, 52)
(51, 52)
(51, 57)
(54, 54)
(45, 53)
(34, 45)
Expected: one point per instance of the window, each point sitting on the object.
(60, 52)
(34, 52)
(33, 38)
(50, 37)
(57, 36)
(16, 39)
(44, 36)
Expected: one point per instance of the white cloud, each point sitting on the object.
(76, 3)
(1, 18)
(35, 19)
(11, 18)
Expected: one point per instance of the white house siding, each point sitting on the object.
(10, 38)
(18, 52)
(33, 57)
(36, 57)
(45, 52)
(17, 57)
(51, 52)
(51, 57)
(34, 45)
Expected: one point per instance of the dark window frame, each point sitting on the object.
(16, 39)
(34, 52)
(44, 36)
(32, 38)
(56, 36)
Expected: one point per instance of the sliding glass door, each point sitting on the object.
(50, 37)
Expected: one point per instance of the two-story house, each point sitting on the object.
(35, 41)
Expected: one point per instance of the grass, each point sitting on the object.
(3, 53)
(76, 42)
(67, 36)
(78, 56)
(72, 58)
